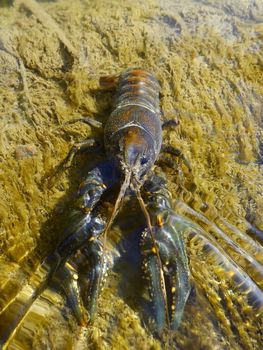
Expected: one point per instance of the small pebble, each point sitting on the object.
(25, 151)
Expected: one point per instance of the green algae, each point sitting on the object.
(208, 58)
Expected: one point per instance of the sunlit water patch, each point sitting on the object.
(207, 56)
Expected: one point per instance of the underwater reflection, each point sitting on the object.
(226, 280)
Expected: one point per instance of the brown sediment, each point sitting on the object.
(48, 22)
(208, 59)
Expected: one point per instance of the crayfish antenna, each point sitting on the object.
(117, 206)
(155, 250)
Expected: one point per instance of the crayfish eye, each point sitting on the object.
(144, 160)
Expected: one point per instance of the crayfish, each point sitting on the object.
(133, 142)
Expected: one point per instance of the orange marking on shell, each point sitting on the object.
(136, 88)
(154, 250)
(135, 79)
(126, 116)
(140, 72)
(82, 185)
(134, 137)
(159, 220)
(137, 72)
(108, 82)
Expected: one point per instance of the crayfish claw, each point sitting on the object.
(169, 282)
(94, 272)
(68, 279)
(152, 273)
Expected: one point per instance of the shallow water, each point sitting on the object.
(208, 58)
